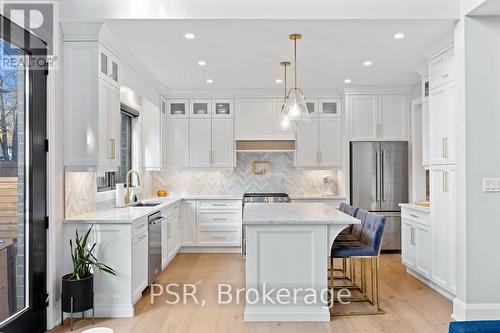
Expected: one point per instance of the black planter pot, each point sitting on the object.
(82, 292)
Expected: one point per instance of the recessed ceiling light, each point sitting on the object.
(367, 63)
(347, 81)
(399, 35)
(278, 81)
(210, 81)
(189, 35)
(202, 63)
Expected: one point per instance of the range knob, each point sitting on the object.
(251, 199)
(266, 200)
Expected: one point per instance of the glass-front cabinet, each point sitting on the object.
(330, 107)
(200, 108)
(177, 108)
(312, 107)
(108, 65)
(222, 108)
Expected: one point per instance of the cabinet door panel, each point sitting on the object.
(393, 117)
(222, 143)
(363, 117)
(407, 244)
(307, 143)
(330, 142)
(246, 119)
(438, 125)
(424, 250)
(200, 108)
(104, 147)
(222, 108)
(200, 145)
(114, 121)
(178, 108)
(151, 135)
(178, 143)
(440, 232)
(188, 227)
(438, 73)
(425, 133)
(330, 107)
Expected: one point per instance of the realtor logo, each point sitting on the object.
(38, 18)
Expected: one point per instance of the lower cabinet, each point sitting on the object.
(140, 265)
(170, 233)
(416, 240)
(188, 223)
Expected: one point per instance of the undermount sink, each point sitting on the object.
(144, 204)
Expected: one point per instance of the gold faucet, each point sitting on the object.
(127, 183)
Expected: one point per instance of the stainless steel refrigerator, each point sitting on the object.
(379, 183)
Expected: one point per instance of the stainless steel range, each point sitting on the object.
(249, 198)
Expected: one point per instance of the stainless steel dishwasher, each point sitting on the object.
(154, 221)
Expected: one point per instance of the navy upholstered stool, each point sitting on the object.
(480, 326)
(367, 248)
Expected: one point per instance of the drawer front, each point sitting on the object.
(415, 216)
(227, 237)
(219, 204)
(213, 218)
(139, 227)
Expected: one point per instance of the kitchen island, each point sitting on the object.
(287, 249)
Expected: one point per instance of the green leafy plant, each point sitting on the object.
(84, 259)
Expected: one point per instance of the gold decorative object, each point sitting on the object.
(162, 193)
(260, 168)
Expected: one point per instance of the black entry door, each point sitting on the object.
(22, 180)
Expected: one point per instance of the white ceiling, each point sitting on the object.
(245, 54)
(487, 8)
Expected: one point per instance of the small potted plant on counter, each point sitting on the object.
(78, 287)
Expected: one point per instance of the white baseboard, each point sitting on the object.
(475, 311)
(54, 316)
(210, 249)
(266, 313)
(431, 284)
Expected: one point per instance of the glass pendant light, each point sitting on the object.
(296, 106)
(283, 116)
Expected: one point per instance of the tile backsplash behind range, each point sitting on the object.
(281, 177)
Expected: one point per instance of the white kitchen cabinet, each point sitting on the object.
(91, 109)
(307, 144)
(330, 107)
(258, 119)
(170, 233)
(423, 241)
(188, 221)
(163, 132)
(211, 143)
(319, 143)
(140, 265)
(442, 182)
(219, 223)
(200, 143)
(178, 108)
(222, 143)
(109, 65)
(425, 133)
(363, 117)
(164, 244)
(393, 117)
(442, 125)
(408, 249)
(441, 69)
(378, 117)
(330, 142)
(312, 107)
(177, 137)
(200, 108)
(222, 108)
(151, 135)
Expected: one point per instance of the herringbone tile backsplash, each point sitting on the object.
(281, 177)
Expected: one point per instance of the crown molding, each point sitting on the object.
(403, 89)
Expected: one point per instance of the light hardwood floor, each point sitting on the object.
(410, 305)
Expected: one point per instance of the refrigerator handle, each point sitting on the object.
(376, 177)
(382, 162)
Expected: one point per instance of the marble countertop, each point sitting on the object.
(413, 206)
(295, 213)
(315, 197)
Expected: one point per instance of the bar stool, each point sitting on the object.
(353, 236)
(350, 210)
(366, 249)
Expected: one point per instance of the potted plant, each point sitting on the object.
(78, 287)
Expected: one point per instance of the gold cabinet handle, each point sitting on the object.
(113, 149)
(445, 181)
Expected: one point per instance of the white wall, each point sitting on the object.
(478, 216)
(397, 9)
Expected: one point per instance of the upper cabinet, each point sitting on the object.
(442, 125)
(211, 143)
(258, 119)
(441, 69)
(330, 107)
(200, 108)
(91, 106)
(378, 117)
(178, 108)
(222, 108)
(151, 135)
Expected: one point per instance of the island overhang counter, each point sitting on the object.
(287, 249)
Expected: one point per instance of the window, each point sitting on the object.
(106, 181)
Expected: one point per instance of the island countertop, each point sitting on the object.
(295, 213)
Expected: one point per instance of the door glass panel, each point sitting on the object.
(330, 108)
(104, 63)
(177, 108)
(222, 108)
(13, 283)
(200, 108)
(310, 107)
(114, 71)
